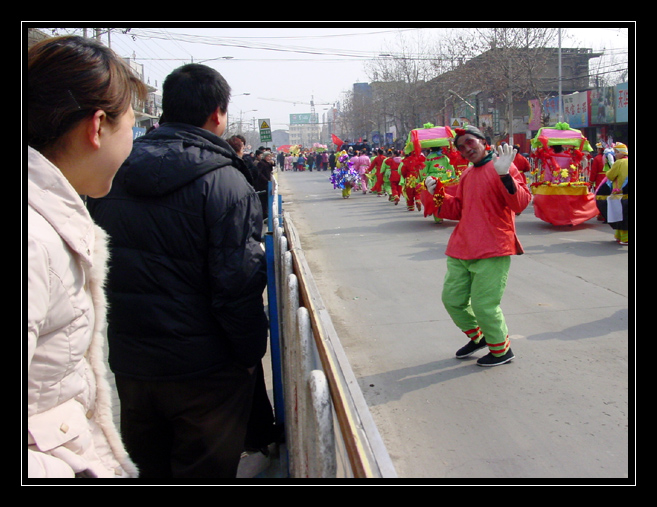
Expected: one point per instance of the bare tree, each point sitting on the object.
(508, 63)
(398, 79)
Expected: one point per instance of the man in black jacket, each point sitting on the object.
(187, 324)
(264, 171)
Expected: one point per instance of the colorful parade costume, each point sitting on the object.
(523, 165)
(438, 165)
(344, 177)
(410, 182)
(392, 177)
(479, 250)
(443, 161)
(561, 196)
(353, 164)
(612, 196)
(395, 178)
(363, 164)
(385, 172)
(375, 165)
(600, 164)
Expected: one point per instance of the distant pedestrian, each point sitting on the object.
(332, 160)
(301, 162)
(261, 183)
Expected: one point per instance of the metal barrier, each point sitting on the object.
(329, 429)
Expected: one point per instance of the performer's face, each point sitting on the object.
(471, 147)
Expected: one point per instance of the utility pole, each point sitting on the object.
(560, 117)
(510, 103)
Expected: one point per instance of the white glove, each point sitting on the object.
(430, 183)
(503, 158)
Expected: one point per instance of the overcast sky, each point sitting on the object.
(277, 67)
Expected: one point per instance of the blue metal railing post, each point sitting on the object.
(272, 298)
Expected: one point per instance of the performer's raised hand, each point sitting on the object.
(430, 183)
(503, 158)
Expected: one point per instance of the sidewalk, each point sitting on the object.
(257, 465)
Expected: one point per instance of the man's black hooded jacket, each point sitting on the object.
(187, 270)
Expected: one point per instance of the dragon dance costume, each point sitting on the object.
(438, 165)
(442, 162)
(561, 194)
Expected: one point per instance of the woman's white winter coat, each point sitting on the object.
(69, 413)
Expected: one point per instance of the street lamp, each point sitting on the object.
(468, 103)
(452, 92)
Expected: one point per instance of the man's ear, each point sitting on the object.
(214, 117)
(215, 122)
(218, 116)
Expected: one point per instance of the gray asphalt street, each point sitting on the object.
(558, 411)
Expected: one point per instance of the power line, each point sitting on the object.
(239, 43)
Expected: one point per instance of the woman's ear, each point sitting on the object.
(94, 128)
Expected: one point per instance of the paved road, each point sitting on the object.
(559, 411)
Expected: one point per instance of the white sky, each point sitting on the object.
(297, 62)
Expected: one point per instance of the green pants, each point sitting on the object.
(472, 294)
(621, 235)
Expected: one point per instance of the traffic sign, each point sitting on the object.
(265, 130)
(458, 122)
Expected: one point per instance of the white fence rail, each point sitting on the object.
(329, 429)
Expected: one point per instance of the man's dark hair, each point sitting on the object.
(191, 93)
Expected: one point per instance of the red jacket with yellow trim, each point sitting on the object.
(485, 205)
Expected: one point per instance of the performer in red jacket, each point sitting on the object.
(599, 166)
(410, 170)
(395, 188)
(490, 194)
(376, 163)
(521, 163)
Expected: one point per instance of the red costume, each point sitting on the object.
(486, 213)
(410, 171)
(395, 178)
(376, 164)
(597, 170)
(522, 164)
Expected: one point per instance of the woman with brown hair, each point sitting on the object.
(79, 124)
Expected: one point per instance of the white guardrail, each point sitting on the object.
(329, 430)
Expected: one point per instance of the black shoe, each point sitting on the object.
(491, 360)
(470, 348)
(252, 450)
